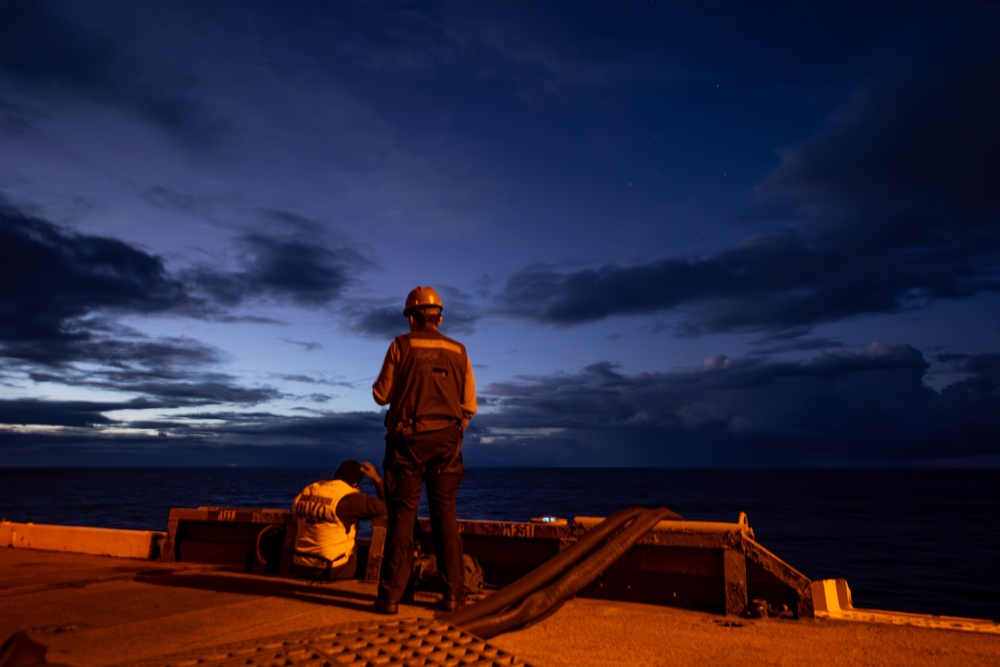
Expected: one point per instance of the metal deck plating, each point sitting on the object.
(412, 642)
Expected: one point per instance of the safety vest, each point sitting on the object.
(321, 540)
(429, 383)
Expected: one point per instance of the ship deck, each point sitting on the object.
(81, 609)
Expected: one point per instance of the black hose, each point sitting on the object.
(543, 602)
(262, 536)
(543, 574)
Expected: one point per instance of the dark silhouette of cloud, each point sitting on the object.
(289, 258)
(283, 268)
(380, 322)
(27, 411)
(860, 407)
(201, 438)
(891, 207)
(905, 162)
(62, 294)
(844, 407)
(61, 290)
(54, 283)
(311, 275)
(149, 395)
(206, 391)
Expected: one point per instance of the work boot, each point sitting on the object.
(384, 606)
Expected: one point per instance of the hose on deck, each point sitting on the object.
(532, 597)
(545, 573)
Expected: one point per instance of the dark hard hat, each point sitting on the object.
(422, 297)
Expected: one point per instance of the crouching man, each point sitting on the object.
(327, 514)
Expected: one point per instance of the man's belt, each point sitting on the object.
(327, 563)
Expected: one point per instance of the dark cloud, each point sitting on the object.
(178, 388)
(906, 162)
(205, 439)
(282, 268)
(763, 268)
(55, 283)
(81, 432)
(61, 297)
(860, 407)
(47, 51)
(173, 390)
(203, 392)
(982, 381)
(262, 428)
(844, 407)
(301, 378)
(124, 353)
(983, 364)
(893, 206)
(769, 283)
(63, 293)
(31, 411)
(309, 274)
(379, 322)
(290, 258)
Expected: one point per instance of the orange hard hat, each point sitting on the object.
(422, 297)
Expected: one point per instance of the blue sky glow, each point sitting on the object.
(670, 234)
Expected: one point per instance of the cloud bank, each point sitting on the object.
(892, 207)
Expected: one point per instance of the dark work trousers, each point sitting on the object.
(434, 458)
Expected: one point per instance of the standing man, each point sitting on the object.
(427, 382)
(326, 522)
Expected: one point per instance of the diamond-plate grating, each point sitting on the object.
(412, 642)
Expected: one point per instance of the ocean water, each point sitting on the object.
(924, 541)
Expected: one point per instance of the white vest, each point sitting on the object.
(321, 538)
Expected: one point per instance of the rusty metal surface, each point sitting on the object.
(410, 642)
(798, 585)
(735, 576)
(216, 526)
(709, 566)
(237, 514)
(376, 549)
(516, 529)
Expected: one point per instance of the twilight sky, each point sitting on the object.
(670, 233)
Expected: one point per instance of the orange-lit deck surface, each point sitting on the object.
(94, 610)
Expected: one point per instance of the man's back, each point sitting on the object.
(431, 375)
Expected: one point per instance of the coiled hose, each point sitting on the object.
(532, 597)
